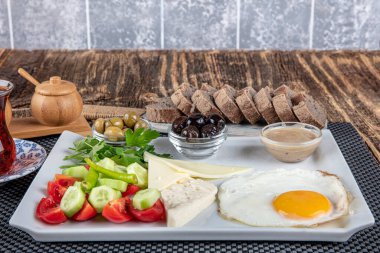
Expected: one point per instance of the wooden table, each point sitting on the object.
(347, 83)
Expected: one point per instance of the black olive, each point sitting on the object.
(197, 120)
(179, 124)
(190, 132)
(217, 120)
(209, 130)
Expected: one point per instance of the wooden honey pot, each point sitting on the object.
(56, 102)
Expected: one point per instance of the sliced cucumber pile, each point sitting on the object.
(114, 184)
(145, 199)
(77, 172)
(72, 201)
(101, 195)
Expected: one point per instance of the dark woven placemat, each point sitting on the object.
(363, 165)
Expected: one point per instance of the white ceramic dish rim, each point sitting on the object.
(144, 232)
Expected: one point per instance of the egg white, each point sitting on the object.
(249, 198)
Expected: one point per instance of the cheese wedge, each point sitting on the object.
(161, 175)
(196, 169)
(184, 201)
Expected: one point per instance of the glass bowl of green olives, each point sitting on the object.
(112, 130)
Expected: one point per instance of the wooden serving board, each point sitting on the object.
(29, 127)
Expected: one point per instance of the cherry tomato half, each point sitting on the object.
(154, 213)
(49, 211)
(56, 191)
(116, 211)
(65, 181)
(131, 190)
(87, 212)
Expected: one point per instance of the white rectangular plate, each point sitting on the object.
(243, 151)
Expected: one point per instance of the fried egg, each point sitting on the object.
(283, 198)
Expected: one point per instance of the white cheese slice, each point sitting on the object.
(160, 175)
(184, 201)
(197, 169)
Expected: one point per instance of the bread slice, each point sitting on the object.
(245, 102)
(225, 101)
(283, 107)
(164, 111)
(181, 98)
(204, 103)
(284, 89)
(206, 87)
(309, 111)
(263, 102)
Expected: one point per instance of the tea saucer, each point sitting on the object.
(29, 157)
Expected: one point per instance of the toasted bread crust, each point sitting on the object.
(225, 100)
(264, 105)
(247, 106)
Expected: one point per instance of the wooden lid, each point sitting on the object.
(56, 87)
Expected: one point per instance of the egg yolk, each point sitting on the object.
(302, 204)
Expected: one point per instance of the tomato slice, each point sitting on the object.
(131, 190)
(56, 191)
(154, 213)
(48, 211)
(87, 212)
(65, 181)
(116, 211)
(87, 166)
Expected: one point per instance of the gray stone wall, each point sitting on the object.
(196, 24)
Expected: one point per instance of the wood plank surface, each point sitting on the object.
(347, 83)
(29, 128)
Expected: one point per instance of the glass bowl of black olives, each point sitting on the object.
(112, 130)
(197, 136)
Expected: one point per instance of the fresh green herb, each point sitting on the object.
(137, 143)
(140, 137)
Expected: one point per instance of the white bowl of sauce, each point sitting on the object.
(291, 142)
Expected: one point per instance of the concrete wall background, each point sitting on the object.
(195, 24)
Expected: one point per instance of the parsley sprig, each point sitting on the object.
(137, 142)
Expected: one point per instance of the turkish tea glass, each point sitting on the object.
(7, 145)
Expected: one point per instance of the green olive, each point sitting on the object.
(117, 122)
(113, 133)
(141, 124)
(99, 125)
(107, 124)
(130, 119)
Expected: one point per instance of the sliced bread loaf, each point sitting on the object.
(283, 107)
(204, 103)
(245, 102)
(309, 111)
(225, 101)
(164, 111)
(181, 98)
(263, 102)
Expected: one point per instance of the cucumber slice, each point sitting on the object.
(145, 199)
(101, 195)
(72, 201)
(114, 184)
(77, 171)
(78, 184)
(141, 174)
(107, 163)
(120, 168)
